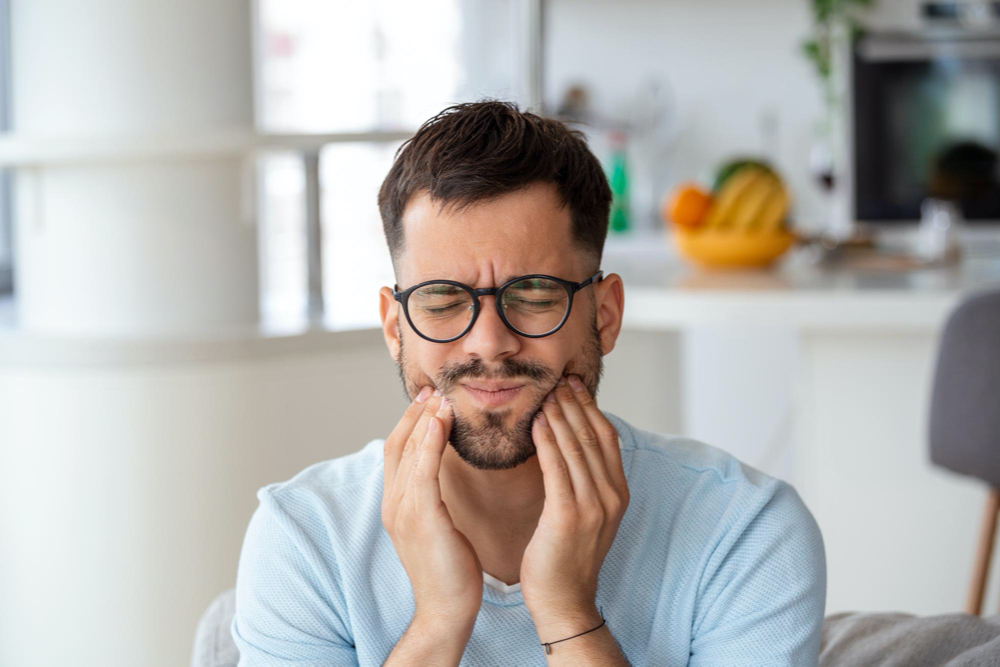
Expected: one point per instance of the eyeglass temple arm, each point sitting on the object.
(596, 278)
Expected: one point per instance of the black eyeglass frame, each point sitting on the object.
(571, 288)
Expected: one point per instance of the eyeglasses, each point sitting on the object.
(532, 306)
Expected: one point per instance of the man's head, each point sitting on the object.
(480, 194)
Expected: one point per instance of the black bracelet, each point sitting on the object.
(547, 645)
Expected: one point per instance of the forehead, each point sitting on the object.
(488, 242)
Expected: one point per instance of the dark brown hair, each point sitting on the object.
(477, 151)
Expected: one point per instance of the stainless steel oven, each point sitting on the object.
(925, 116)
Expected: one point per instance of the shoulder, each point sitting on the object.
(652, 453)
(756, 554)
(330, 496)
(336, 474)
(686, 472)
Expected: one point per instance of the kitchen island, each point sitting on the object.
(821, 375)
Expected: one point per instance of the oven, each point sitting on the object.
(925, 116)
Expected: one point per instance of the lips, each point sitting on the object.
(493, 386)
(494, 398)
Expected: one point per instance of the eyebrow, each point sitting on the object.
(507, 278)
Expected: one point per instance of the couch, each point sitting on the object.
(849, 639)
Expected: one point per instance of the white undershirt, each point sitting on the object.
(498, 585)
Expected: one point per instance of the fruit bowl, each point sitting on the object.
(740, 222)
(732, 248)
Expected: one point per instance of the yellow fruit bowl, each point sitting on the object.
(723, 248)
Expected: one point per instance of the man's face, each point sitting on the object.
(484, 246)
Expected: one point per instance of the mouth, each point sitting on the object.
(493, 395)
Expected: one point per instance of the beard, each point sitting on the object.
(484, 440)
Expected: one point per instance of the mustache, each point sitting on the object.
(475, 370)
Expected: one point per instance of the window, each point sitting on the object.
(379, 68)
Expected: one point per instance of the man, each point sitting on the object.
(507, 520)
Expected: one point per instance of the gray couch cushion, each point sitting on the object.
(213, 642)
(848, 639)
(894, 639)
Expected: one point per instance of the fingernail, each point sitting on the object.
(423, 395)
(575, 382)
(437, 392)
(542, 420)
(562, 382)
(551, 398)
(443, 408)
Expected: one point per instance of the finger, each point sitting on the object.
(572, 451)
(420, 428)
(412, 447)
(426, 485)
(434, 420)
(555, 472)
(606, 432)
(585, 433)
(394, 444)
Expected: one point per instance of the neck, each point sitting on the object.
(508, 499)
(497, 510)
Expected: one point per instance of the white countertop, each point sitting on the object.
(664, 292)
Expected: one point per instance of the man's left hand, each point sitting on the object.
(586, 495)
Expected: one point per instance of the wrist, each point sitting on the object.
(443, 625)
(553, 624)
(430, 641)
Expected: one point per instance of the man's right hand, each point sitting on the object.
(442, 565)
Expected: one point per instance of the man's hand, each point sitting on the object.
(586, 495)
(442, 565)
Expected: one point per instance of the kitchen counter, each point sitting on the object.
(663, 291)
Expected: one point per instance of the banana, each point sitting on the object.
(772, 216)
(753, 202)
(719, 216)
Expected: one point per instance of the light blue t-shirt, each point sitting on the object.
(714, 563)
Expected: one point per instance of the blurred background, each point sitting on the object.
(190, 255)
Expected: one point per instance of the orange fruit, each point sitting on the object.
(686, 205)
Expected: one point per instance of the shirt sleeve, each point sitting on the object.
(290, 608)
(765, 589)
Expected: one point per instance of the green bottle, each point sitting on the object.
(618, 180)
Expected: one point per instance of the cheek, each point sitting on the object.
(577, 356)
(423, 365)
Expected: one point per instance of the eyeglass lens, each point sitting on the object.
(532, 306)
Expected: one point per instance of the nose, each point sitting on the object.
(489, 337)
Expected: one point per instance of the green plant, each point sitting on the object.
(818, 48)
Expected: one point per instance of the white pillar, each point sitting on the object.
(108, 537)
(154, 247)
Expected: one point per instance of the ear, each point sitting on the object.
(609, 299)
(389, 310)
